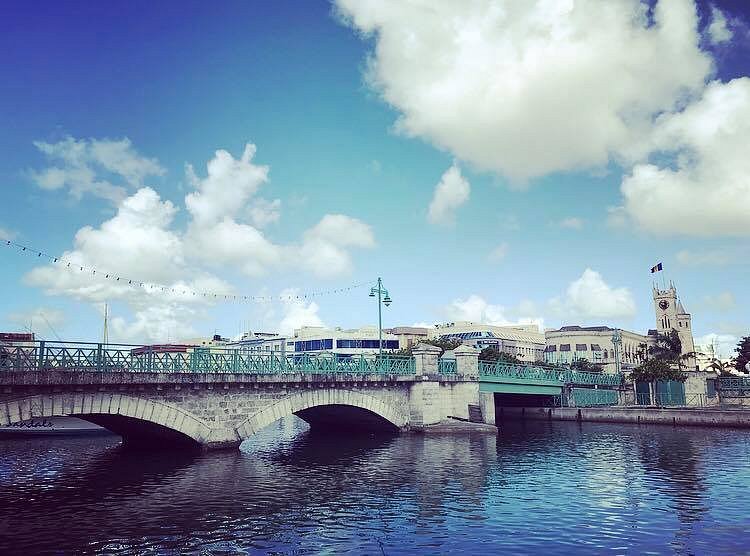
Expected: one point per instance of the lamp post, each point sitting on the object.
(383, 298)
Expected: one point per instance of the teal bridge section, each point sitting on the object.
(506, 378)
(493, 377)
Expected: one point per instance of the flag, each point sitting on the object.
(656, 268)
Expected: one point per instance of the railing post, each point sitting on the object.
(467, 360)
(40, 355)
(425, 359)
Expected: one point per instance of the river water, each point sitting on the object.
(552, 488)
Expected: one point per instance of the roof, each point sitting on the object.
(576, 328)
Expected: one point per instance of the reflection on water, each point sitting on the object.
(537, 487)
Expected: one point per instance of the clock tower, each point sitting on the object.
(671, 315)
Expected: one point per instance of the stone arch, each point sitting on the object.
(94, 404)
(320, 397)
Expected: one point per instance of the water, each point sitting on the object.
(553, 488)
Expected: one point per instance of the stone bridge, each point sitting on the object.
(221, 409)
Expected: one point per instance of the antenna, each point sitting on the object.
(105, 335)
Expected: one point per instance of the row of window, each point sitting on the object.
(327, 343)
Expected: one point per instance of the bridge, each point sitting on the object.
(219, 397)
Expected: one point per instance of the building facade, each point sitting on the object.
(603, 345)
(671, 315)
(526, 342)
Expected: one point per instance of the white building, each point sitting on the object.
(597, 344)
(525, 341)
(355, 341)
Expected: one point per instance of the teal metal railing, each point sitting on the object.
(533, 373)
(733, 383)
(591, 397)
(173, 359)
(447, 366)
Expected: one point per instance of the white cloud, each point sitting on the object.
(476, 309)
(724, 344)
(90, 167)
(142, 243)
(498, 253)
(6, 234)
(714, 257)
(703, 187)
(264, 212)
(590, 297)
(297, 312)
(324, 249)
(723, 301)
(40, 318)
(718, 31)
(451, 192)
(572, 223)
(525, 88)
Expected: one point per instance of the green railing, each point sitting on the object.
(447, 366)
(173, 359)
(733, 383)
(533, 373)
(591, 397)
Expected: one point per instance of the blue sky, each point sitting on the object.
(359, 111)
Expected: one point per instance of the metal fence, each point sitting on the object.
(733, 383)
(66, 356)
(533, 373)
(447, 366)
(676, 399)
(591, 397)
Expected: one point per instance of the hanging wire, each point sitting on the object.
(151, 286)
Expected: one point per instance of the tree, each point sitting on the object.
(743, 354)
(721, 367)
(655, 370)
(445, 344)
(668, 347)
(586, 366)
(492, 355)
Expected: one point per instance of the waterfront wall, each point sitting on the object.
(633, 415)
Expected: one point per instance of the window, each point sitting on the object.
(564, 347)
(550, 349)
(596, 347)
(365, 344)
(580, 347)
(313, 345)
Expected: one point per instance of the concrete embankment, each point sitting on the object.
(699, 417)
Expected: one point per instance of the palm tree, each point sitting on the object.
(668, 347)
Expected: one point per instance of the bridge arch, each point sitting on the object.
(306, 404)
(135, 418)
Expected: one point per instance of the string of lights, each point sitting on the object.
(180, 290)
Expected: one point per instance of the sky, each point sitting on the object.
(257, 165)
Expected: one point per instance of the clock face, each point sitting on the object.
(663, 304)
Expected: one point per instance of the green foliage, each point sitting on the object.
(668, 347)
(586, 366)
(492, 354)
(445, 344)
(743, 354)
(657, 369)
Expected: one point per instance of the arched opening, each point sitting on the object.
(345, 418)
(139, 433)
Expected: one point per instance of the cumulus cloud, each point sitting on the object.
(6, 234)
(297, 312)
(43, 318)
(713, 257)
(498, 253)
(477, 309)
(718, 30)
(170, 267)
(723, 301)
(526, 88)
(572, 223)
(590, 297)
(105, 168)
(723, 344)
(264, 212)
(324, 249)
(702, 187)
(451, 192)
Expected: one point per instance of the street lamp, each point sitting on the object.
(384, 299)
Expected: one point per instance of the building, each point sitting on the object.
(597, 344)
(408, 336)
(524, 341)
(671, 315)
(260, 342)
(355, 341)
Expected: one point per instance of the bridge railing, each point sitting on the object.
(733, 383)
(533, 373)
(69, 356)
